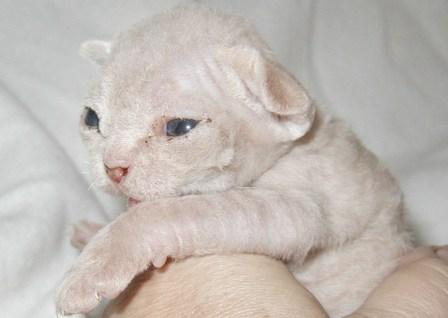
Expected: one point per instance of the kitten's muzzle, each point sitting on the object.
(116, 174)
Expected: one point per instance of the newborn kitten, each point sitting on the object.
(220, 150)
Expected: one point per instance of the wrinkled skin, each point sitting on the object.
(263, 172)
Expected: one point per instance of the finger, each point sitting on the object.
(217, 286)
(417, 254)
(419, 289)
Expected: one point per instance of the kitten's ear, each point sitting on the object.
(267, 81)
(96, 51)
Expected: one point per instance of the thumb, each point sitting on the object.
(416, 289)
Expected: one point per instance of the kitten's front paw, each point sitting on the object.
(83, 232)
(104, 269)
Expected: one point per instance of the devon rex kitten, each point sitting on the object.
(220, 150)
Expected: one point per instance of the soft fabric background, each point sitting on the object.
(382, 65)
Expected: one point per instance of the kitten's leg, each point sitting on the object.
(82, 233)
(284, 226)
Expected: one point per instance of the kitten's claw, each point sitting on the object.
(104, 269)
(71, 300)
(83, 289)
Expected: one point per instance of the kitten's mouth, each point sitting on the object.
(132, 202)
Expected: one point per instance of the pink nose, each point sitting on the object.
(116, 174)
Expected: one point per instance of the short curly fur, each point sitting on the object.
(263, 171)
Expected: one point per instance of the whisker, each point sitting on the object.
(91, 186)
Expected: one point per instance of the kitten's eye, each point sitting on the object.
(91, 118)
(180, 126)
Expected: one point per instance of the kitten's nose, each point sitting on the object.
(116, 174)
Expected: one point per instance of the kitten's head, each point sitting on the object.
(189, 102)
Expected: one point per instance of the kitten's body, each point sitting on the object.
(364, 210)
(262, 173)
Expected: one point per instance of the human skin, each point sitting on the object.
(258, 286)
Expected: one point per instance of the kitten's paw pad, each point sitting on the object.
(159, 262)
(83, 232)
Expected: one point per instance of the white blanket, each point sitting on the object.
(382, 65)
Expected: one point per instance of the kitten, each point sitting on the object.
(220, 150)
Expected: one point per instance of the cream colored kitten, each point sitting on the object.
(220, 150)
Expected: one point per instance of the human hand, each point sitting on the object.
(257, 286)
(240, 285)
(418, 288)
